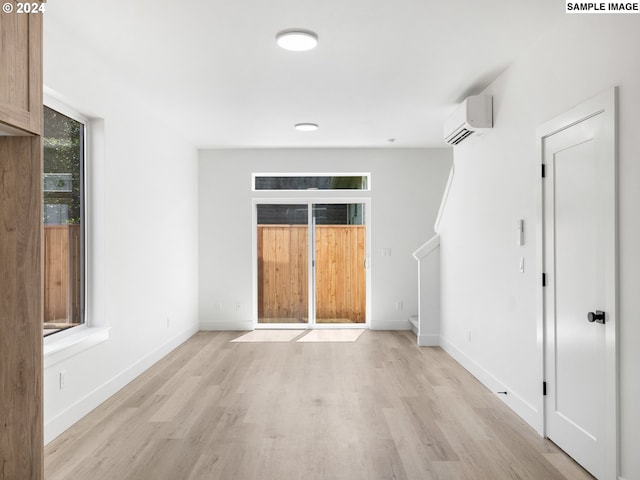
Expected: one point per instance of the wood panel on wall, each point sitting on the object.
(20, 71)
(21, 436)
(21, 428)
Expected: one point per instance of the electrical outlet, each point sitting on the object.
(62, 380)
(238, 307)
(399, 306)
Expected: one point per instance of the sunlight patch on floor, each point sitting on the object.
(269, 336)
(332, 335)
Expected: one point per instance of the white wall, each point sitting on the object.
(406, 188)
(143, 233)
(483, 292)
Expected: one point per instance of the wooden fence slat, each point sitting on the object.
(56, 247)
(74, 273)
(62, 273)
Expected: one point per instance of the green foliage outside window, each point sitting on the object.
(63, 153)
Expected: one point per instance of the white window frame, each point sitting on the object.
(61, 345)
(310, 197)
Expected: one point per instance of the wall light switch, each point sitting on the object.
(520, 232)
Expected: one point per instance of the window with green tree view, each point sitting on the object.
(63, 218)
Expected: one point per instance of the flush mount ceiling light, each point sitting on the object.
(297, 40)
(306, 127)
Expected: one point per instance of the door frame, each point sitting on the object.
(310, 200)
(602, 104)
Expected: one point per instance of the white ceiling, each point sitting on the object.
(383, 68)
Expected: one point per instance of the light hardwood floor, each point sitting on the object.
(379, 408)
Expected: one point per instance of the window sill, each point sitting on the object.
(70, 343)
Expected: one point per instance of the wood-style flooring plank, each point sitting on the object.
(380, 408)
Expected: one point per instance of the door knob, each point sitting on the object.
(597, 316)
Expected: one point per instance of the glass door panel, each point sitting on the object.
(283, 264)
(340, 269)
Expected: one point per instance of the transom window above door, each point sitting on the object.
(310, 181)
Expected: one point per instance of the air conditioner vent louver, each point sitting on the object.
(459, 136)
(473, 114)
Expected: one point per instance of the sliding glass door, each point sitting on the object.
(311, 264)
(339, 239)
(283, 264)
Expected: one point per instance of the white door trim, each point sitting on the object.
(603, 104)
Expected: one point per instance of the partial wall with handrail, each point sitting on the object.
(427, 322)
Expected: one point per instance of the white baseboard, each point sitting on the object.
(73, 413)
(391, 325)
(246, 325)
(514, 401)
(231, 326)
(429, 341)
(413, 323)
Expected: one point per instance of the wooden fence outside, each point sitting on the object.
(340, 274)
(62, 279)
(283, 273)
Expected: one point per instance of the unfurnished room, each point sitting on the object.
(319, 240)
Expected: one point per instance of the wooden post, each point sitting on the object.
(21, 424)
(21, 430)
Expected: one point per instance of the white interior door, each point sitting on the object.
(580, 301)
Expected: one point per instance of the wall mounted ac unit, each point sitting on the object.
(473, 114)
